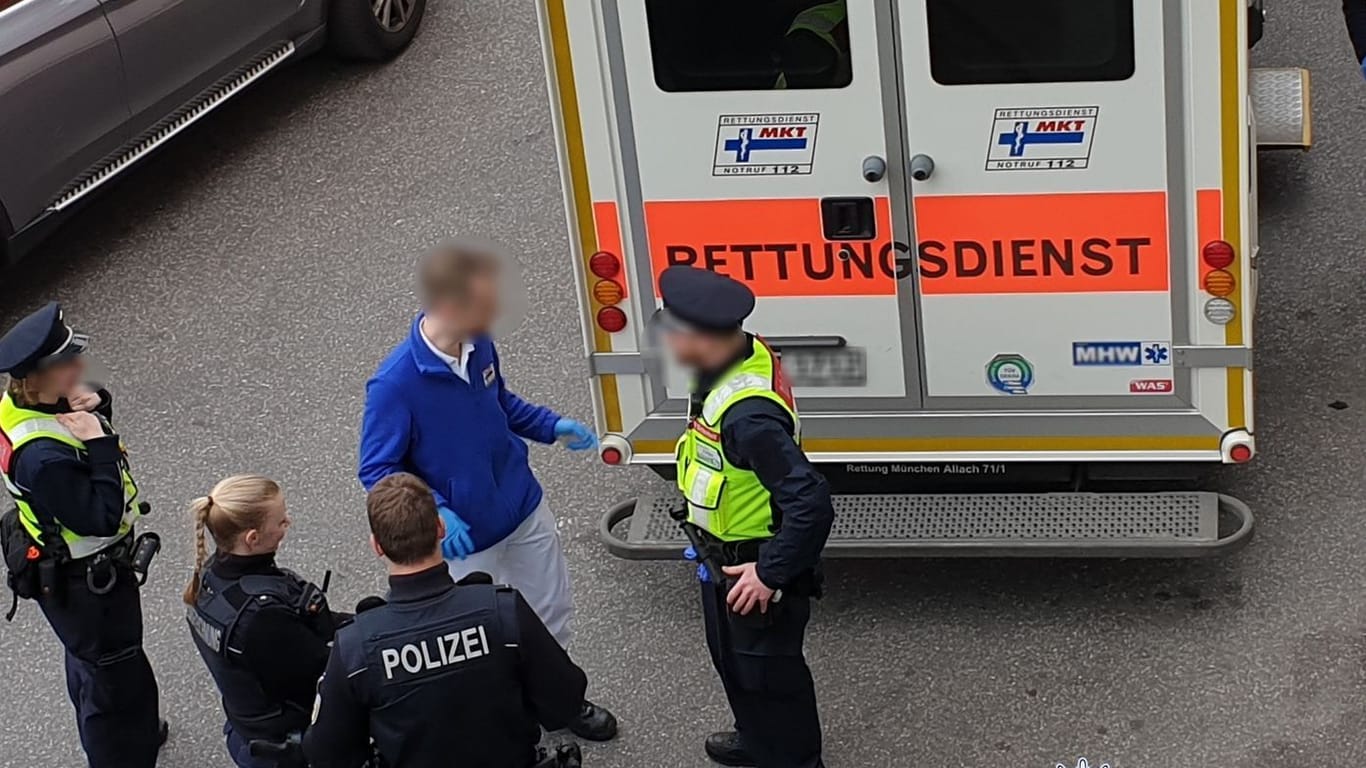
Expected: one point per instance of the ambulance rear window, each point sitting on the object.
(1040, 41)
(748, 45)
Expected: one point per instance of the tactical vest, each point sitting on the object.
(728, 502)
(20, 426)
(220, 617)
(436, 660)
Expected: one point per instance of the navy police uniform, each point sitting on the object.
(444, 674)
(760, 662)
(80, 495)
(265, 635)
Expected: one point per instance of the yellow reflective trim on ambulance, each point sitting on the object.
(1232, 13)
(579, 191)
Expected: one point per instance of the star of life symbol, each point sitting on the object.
(1082, 763)
(1156, 354)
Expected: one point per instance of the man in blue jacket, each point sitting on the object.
(437, 407)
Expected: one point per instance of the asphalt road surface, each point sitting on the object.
(242, 285)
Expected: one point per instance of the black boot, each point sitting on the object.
(726, 748)
(594, 723)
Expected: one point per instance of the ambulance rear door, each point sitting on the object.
(1049, 199)
(746, 131)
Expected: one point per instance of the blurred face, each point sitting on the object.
(271, 534)
(475, 311)
(62, 379)
(697, 351)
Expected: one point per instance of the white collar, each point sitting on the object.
(465, 349)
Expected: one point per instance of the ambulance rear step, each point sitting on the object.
(1281, 106)
(1070, 524)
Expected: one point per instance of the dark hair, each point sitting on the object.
(403, 518)
(444, 274)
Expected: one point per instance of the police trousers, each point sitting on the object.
(766, 679)
(108, 676)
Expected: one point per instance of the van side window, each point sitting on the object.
(749, 45)
(1040, 41)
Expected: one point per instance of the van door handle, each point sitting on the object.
(922, 167)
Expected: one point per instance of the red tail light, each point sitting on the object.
(1218, 254)
(611, 319)
(611, 456)
(605, 265)
(1240, 453)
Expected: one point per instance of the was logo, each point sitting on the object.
(1082, 763)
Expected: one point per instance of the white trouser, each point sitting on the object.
(531, 560)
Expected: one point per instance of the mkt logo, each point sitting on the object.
(1136, 353)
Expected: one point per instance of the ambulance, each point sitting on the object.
(1006, 250)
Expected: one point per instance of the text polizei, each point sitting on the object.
(434, 653)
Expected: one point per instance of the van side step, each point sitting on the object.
(1164, 525)
(1282, 108)
(163, 131)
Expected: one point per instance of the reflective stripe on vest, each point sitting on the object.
(21, 426)
(728, 502)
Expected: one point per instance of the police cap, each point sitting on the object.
(39, 340)
(703, 300)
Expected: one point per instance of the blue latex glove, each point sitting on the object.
(1363, 67)
(580, 437)
(702, 574)
(457, 545)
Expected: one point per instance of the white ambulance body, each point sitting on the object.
(1002, 248)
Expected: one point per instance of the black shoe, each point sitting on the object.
(594, 723)
(726, 748)
(163, 732)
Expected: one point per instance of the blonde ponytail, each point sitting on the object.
(235, 505)
(200, 509)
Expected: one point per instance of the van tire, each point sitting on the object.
(355, 33)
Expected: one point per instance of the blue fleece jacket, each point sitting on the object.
(464, 439)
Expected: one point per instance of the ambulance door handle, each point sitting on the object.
(922, 167)
(874, 168)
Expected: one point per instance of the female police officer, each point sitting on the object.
(263, 632)
(76, 505)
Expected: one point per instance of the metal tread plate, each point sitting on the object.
(1281, 106)
(1176, 524)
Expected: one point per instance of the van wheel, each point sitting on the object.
(372, 30)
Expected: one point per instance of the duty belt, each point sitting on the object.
(732, 552)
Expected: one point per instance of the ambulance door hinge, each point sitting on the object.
(1212, 357)
(616, 363)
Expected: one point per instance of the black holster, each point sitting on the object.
(286, 754)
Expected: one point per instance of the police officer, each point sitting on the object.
(444, 674)
(757, 507)
(77, 504)
(263, 632)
